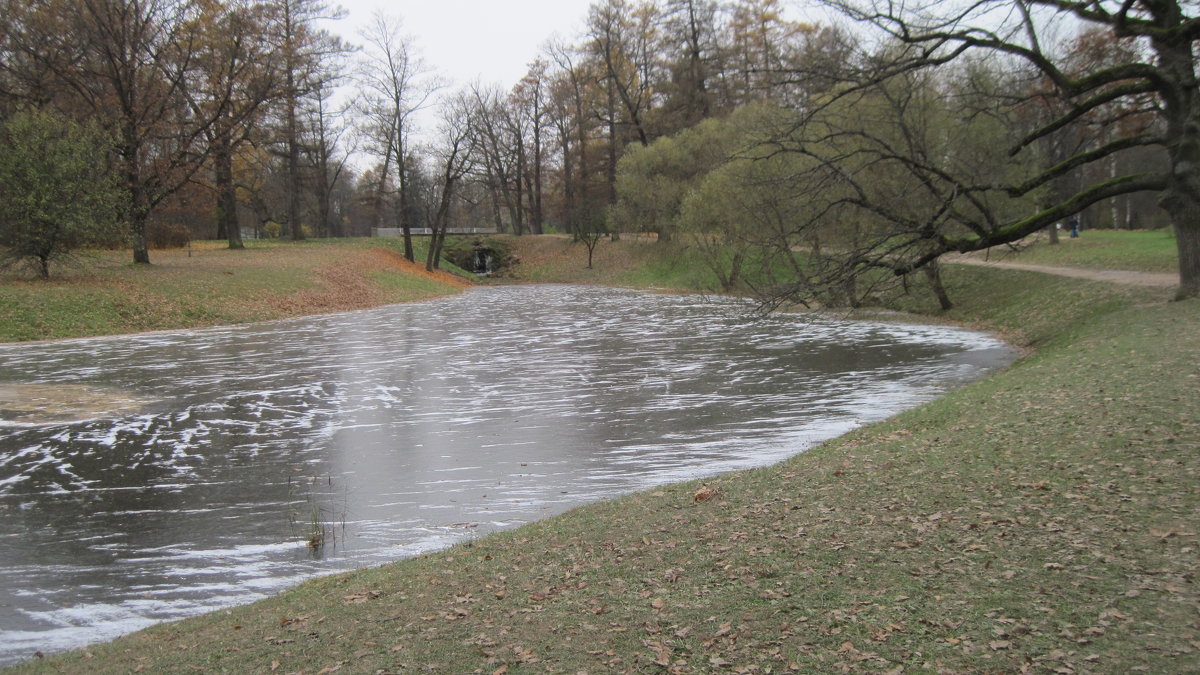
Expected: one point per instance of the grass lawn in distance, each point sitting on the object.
(1139, 251)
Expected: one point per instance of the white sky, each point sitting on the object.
(492, 41)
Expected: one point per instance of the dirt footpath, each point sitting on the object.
(1114, 276)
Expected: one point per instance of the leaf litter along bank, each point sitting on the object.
(1043, 520)
(208, 285)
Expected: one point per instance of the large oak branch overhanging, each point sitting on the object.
(1083, 158)
(1079, 110)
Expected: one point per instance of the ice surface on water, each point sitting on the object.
(404, 429)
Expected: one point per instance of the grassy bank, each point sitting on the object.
(207, 284)
(1044, 520)
(633, 261)
(1140, 251)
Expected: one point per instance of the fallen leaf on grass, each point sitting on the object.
(662, 653)
(525, 655)
(361, 597)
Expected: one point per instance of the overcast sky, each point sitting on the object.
(464, 40)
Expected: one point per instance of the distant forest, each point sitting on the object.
(889, 137)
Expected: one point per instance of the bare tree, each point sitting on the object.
(572, 118)
(497, 144)
(398, 85)
(308, 55)
(529, 98)
(454, 159)
(326, 153)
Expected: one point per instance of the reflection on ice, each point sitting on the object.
(406, 429)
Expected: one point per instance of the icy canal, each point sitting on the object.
(152, 477)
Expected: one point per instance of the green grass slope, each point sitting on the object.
(1139, 250)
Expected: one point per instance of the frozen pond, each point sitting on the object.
(153, 477)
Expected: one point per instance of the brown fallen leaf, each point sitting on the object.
(662, 653)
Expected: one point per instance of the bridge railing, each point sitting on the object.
(425, 231)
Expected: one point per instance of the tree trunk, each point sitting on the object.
(227, 220)
(1112, 174)
(141, 249)
(933, 272)
(582, 169)
(293, 155)
(134, 211)
(568, 178)
(1187, 239)
(520, 182)
(497, 216)
(405, 216)
(293, 174)
(538, 218)
(1181, 198)
(377, 198)
(323, 205)
(437, 236)
(611, 169)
